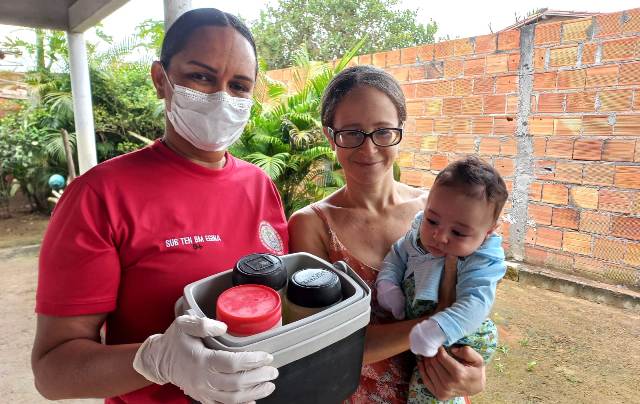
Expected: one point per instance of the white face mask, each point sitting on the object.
(210, 122)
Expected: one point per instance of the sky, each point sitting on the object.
(455, 19)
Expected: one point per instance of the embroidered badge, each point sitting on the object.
(270, 238)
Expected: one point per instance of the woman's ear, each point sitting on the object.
(325, 130)
(159, 80)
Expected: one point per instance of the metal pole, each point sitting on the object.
(82, 108)
(174, 9)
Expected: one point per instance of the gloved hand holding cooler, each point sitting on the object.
(180, 357)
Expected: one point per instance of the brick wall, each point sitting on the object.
(556, 109)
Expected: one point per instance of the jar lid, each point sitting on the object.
(260, 269)
(249, 309)
(314, 287)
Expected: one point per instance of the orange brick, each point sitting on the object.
(446, 144)
(504, 167)
(472, 106)
(614, 201)
(575, 242)
(433, 106)
(465, 144)
(584, 197)
(463, 47)
(434, 70)
(572, 79)
(540, 126)
(589, 54)
(409, 90)
(411, 142)
(365, 60)
(555, 193)
(483, 85)
(565, 217)
(618, 150)
(541, 214)
(567, 126)
(618, 100)
(399, 73)
(547, 33)
(560, 148)
(535, 191)
(380, 59)
(626, 227)
(596, 125)
(508, 147)
(551, 102)
(636, 158)
(512, 104)
(539, 58)
(438, 162)
(589, 265)
(442, 88)
(416, 73)
(513, 63)
(497, 63)
(494, 104)
(627, 125)
(461, 125)
(490, 146)
(620, 49)
(411, 177)
(507, 84)
(535, 256)
(598, 174)
(628, 177)
(415, 108)
(568, 172)
(429, 143)
(595, 222)
(587, 149)
(581, 102)
(452, 106)
(474, 66)
(408, 56)
(545, 169)
(544, 81)
(405, 159)
(632, 21)
(462, 87)
(608, 24)
(547, 237)
(565, 56)
(428, 179)
(576, 31)
(425, 90)
(509, 39)
(422, 161)
(632, 257)
(602, 76)
(486, 43)
(442, 126)
(530, 236)
(482, 126)
(609, 249)
(443, 50)
(424, 126)
(504, 125)
(559, 260)
(425, 52)
(393, 57)
(629, 73)
(453, 68)
(539, 146)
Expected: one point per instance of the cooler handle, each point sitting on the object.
(342, 266)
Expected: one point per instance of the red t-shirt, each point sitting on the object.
(129, 234)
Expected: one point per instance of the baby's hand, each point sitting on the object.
(426, 337)
(391, 298)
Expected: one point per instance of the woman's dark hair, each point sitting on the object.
(476, 179)
(178, 34)
(360, 76)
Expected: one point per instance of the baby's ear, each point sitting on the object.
(494, 227)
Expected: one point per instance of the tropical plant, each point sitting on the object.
(284, 134)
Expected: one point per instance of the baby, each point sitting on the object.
(459, 219)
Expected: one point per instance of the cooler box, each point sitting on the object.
(319, 357)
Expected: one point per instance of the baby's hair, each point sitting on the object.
(475, 178)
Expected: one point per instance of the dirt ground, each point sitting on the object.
(554, 348)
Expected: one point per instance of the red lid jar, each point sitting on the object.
(249, 309)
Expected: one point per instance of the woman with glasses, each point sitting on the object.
(363, 113)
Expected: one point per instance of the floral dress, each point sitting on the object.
(386, 381)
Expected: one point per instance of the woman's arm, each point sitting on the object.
(69, 361)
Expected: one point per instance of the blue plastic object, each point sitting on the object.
(56, 181)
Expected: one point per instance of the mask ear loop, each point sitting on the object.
(166, 76)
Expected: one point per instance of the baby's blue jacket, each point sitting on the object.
(478, 275)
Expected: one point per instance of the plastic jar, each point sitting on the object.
(249, 309)
(311, 291)
(261, 269)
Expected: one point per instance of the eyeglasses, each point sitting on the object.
(351, 138)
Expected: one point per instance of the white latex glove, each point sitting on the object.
(180, 357)
(426, 337)
(391, 298)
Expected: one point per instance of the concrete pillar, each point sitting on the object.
(82, 106)
(174, 9)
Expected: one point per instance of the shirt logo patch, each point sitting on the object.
(270, 238)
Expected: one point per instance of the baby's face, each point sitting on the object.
(454, 223)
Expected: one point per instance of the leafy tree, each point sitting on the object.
(327, 27)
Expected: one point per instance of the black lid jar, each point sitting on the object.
(260, 269)
(310, 291)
